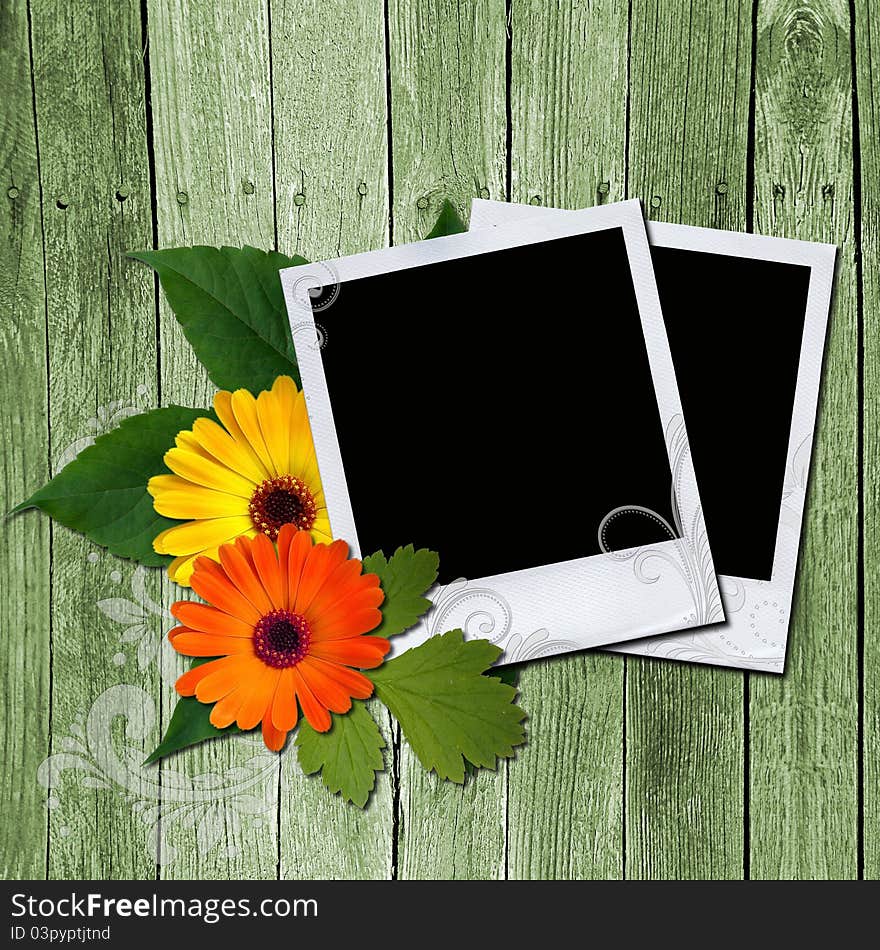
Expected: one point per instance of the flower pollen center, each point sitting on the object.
(281, 638)
(280, 501)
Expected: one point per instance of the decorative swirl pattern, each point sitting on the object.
(692, 560)
(476, 611)
(214, 803)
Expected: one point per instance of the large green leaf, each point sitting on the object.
(103, 492)
(449, 222)
(190, 724)
(404, 579)
(348, 756)
(231, 307)
(448, 711)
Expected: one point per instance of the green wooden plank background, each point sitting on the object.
(329, 128)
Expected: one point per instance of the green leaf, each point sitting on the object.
(103, 492)
(348, 756)
(190, 724)
(448, 711)
(404, 579)
(231, 307)
(507, 674)
(449, 222)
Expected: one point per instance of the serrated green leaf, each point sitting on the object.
(448, 711)
(231, 307)
(404, 580)
(449, 222)
(102, 493)
(506, 674)
(190, 724)
(348, 756)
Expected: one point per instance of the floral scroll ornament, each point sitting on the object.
(216, 804)
(691, 556)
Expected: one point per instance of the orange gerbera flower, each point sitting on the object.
(287, 626)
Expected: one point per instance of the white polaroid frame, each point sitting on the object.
(755, 633)
(554, 608)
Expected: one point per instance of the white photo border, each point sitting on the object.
(755, 633)
(555, 608)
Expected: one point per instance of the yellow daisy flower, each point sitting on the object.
(253, 474)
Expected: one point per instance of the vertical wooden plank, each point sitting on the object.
(25, 545)
(689, 88)
(89, 94)
(212, 137)
(568, 142)
(448, 104)
(867, 53)
(331, 170)
(803, 795)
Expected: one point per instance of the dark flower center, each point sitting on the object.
(281, 638)
(280, 501)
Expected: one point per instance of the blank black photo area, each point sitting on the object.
(496, 407)
(735, 327)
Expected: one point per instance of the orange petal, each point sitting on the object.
(266, 564)
(259, 696)
(175, 631)
(196, 643)
(284, 540)
(300, 548)
(343, 622)
(316, 714)
(327, 690)
(230, 673)
(224, 712)
(321, 563)
(274, 738)
(186, 684)
(344, 581)
(210, 620)
(353, 682)
(238, 566)
(366, 653)
(212, 584)
(284, 713)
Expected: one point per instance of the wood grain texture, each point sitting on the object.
(213, 147)
(91, 117)
(331, 172)
(867, 56)
(268, 122)
(447, 79)
(448, 104)
(803, 794)
(568, 149)
(25, 550)
(687, 157)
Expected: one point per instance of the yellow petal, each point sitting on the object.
(223, 408)
(198, 502)
(181, 568)
(303, 461)
(275, 427)
(244, 406)
(195, 536)
(322, 524)
(207, 472)
(223, 447)
(285, 391)
(187, 441)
